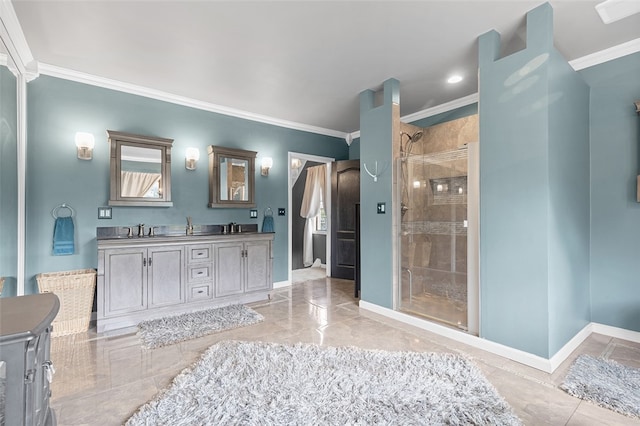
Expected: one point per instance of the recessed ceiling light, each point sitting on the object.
(454, 79)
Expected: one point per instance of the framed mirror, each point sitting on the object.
(140, 170)
(231, 177)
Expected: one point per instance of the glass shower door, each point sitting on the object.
(433, 237)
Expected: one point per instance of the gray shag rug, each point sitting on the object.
(606, 383)
(165, 331)
(256, 383)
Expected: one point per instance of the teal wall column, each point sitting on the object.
(376, 144)
(8, 182)
(533, 113)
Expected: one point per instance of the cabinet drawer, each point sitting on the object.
(199, 272)
(199, 253)
(200, 292)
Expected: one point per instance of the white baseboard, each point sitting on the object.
(281, 284)
(619, 333)
(569, 347)
(535, 361)
(517, 355)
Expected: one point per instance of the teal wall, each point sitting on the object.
(569, 225)
(354, 149)
(615, 214)
(8, 182)
(58, 108)
(376, 134)
(533, 213)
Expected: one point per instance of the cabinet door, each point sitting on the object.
(166, 276)
(229, 271)
(258, 264)
(125, 280)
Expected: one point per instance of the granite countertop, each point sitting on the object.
(171, 232)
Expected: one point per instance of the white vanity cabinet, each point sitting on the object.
(242, 267)
(140, 278)
(144, 278)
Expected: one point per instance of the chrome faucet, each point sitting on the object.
(141, 230)
(189, 226)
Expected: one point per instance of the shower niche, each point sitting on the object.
(432, 245)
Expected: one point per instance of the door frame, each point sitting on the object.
(327, 208)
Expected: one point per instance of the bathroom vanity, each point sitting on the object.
(26, 370)
(151, 277)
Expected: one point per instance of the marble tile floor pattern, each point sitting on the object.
(101, 379)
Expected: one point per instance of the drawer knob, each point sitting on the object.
(200, 273)
(200, 291)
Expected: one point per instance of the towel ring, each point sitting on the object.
(268, 210)
(54, 212)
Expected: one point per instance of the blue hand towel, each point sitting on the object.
(267, 224)
(63, 238)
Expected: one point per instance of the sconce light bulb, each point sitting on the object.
(267, 163)
(192, 154)
(85, 143)
(191, 157)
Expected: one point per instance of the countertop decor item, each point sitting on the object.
(606, 383)
(277, 384)
(168, 330)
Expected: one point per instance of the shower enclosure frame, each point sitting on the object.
(473, 239)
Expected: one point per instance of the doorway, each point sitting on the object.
(297, 165)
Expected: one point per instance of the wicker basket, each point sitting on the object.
(75, 290)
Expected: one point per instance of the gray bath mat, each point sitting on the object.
(256, 383)
(606, 383)
(165, 331)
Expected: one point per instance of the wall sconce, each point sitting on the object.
(85, 143)
(191, 157)
(267, 163)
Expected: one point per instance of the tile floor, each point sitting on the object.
(103, 379)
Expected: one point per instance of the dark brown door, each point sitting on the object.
(345, 193)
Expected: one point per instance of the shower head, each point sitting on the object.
(411, 139)
(416, 136)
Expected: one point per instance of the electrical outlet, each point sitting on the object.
(253, 214)
(281, 211)
(104, 212)
(382, 208)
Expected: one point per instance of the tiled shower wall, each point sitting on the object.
(432, 231)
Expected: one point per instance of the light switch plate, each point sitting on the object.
(253, 214)
(281, 211)
(104, 212)
(382, 209)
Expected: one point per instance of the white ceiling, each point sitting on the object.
(300, 61)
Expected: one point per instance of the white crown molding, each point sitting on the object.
(80, 77)
(429, 112)
(606, 55)
(15, 42)
(438, 109)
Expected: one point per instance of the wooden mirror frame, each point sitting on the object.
(116, 141)
(215, 153)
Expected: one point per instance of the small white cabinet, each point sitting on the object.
(140, 278)
(143, 278)
(242, 267)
